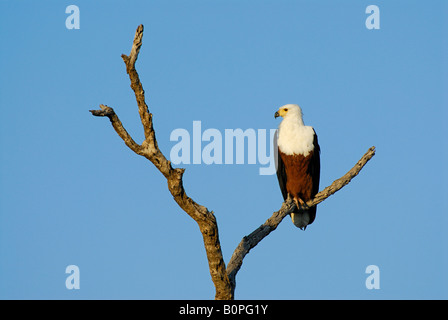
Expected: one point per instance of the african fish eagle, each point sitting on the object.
(298, 162)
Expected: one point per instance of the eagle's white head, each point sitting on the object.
(293, 136)
(291, 112)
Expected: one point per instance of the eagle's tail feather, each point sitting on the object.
(301, 220)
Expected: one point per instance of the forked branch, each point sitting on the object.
(223, 279)
(149, 149)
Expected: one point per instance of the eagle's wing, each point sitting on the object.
(314, 170)
(315, 166)
(280, 166)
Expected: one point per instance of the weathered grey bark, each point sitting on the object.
(222, 277)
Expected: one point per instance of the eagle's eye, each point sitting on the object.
(286, 110)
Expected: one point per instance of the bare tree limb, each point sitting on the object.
(136, 85)
(250, 241)
(118, 126)
(149, 149)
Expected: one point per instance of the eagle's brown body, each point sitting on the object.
(298, 163)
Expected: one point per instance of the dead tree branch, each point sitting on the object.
(149, 149)
(223, 279)
(250, 241)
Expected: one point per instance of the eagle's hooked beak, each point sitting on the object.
(276, 115)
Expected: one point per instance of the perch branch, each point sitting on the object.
(149, 149)
(250, 241)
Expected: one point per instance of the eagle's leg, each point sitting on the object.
(300, 203)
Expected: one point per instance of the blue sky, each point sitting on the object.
(71, 192)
